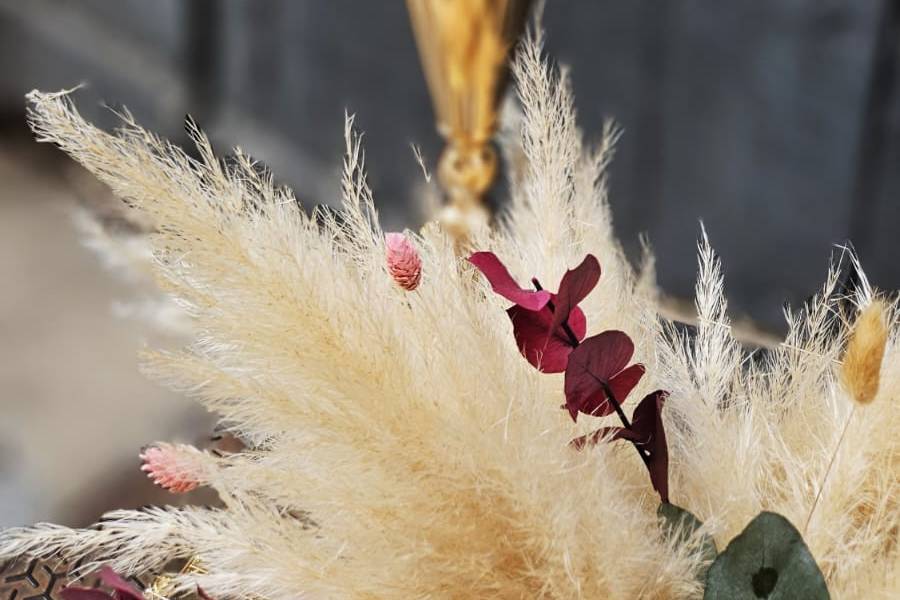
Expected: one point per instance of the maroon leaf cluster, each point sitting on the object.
(547, 326)
(550, 332)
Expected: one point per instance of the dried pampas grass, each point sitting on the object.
(398, 444)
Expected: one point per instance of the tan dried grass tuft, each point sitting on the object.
(861, 367)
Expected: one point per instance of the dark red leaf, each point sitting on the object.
(647, 433)
(82, 593)
(620, 385)
(203, 595)
(591, 368)
(577, 323)
(503, 283)
(647, 424)
(548, 354)
(122, 590)
(576, 284)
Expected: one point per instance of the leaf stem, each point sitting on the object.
(644, 454)
(573, 339)
(616, 405)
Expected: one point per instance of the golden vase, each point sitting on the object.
(464, 46)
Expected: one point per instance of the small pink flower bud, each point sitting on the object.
(177, 468)
(403, 261)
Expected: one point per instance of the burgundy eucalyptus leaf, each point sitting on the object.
(576, 284)
(620, 385)
(595, 366)
(74, 592)
(548, 354)
(503, 283)
(647, 424)
(203, 595)
(647, 434)
(122, 590)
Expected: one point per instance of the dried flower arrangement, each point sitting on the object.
(382, 395)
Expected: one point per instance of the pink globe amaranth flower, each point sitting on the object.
(403, 261)
(177, 468)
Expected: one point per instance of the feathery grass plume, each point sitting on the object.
(127, 254)
(860, 371)
(861, 367)
(758, 434)
(431, 458)
(118, 236)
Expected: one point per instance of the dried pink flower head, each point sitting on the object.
(177, 468)
(403, 261)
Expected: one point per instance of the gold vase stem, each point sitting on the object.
(464, 46)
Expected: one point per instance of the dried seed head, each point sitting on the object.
(403, 261)
(177, 468)
(861, 367)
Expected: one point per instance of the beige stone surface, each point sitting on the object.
(74, 410)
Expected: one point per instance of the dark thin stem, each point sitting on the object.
(644, 454)
(573, 339)
(615, 405)
(611, 398)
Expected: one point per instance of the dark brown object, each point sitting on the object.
(42, 579)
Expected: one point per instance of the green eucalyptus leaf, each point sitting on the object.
(682, 524)
(769, 559)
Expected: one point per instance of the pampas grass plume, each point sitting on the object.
(861, 368)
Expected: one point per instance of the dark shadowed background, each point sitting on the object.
(776, 122)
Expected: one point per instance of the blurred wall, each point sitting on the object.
(773, 121)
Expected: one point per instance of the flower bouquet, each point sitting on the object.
(506, 418)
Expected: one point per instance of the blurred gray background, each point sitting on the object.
(776, 122)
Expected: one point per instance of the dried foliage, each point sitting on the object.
(431, 459)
